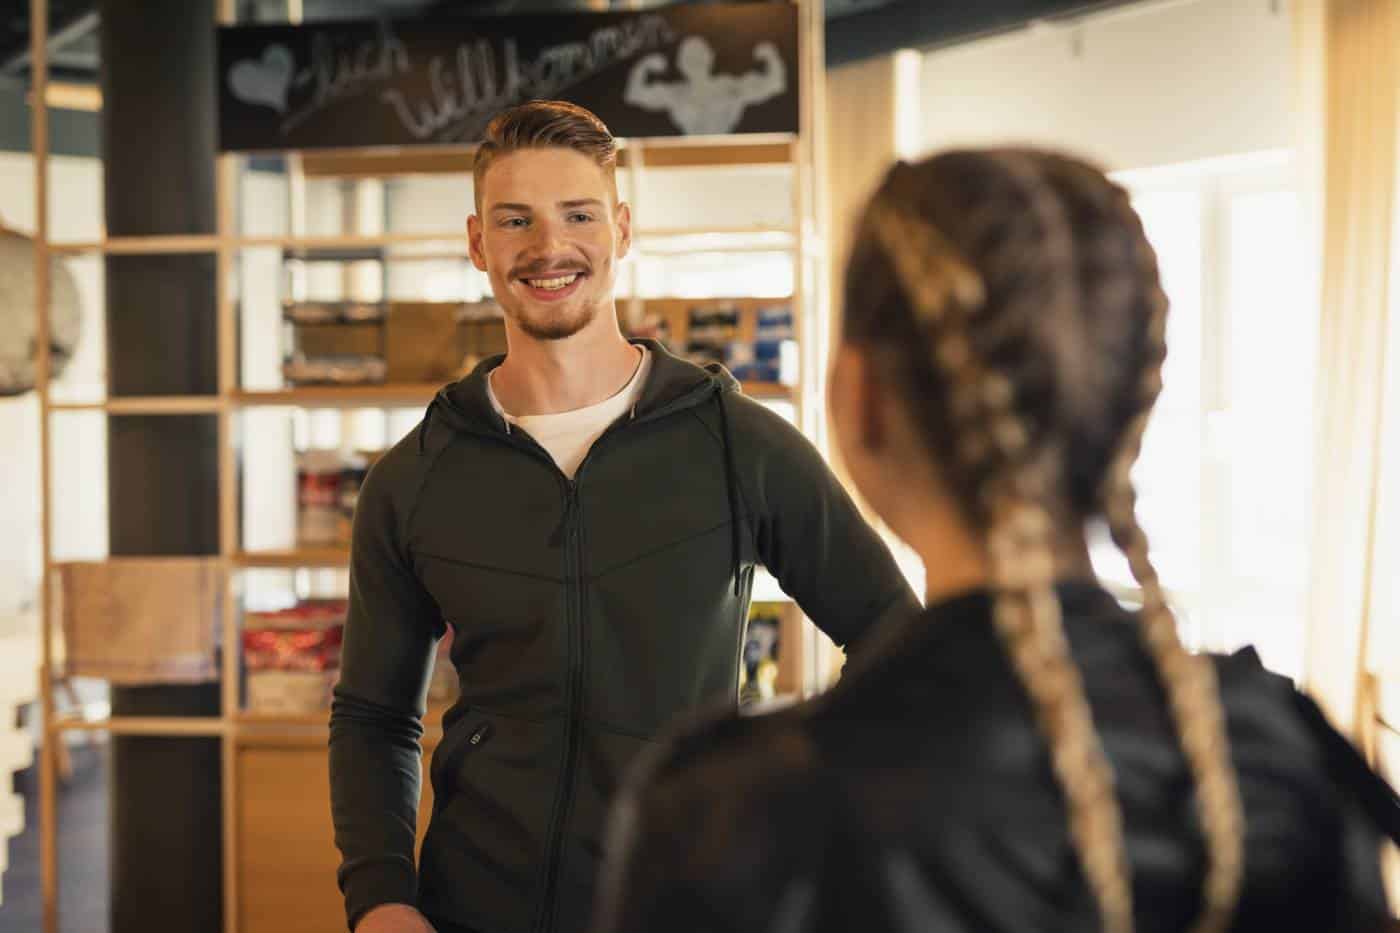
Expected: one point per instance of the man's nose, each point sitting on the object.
(547, 240)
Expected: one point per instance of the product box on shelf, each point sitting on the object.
(710, 332)
(318, 497)
(422, 341)
(343, 369)
(290, 693)
(333, 312)
(397, 342)
(292, 656)
(758, 669)
(328, 486)
(292, 649)
(772, 355)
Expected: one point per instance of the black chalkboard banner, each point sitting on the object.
(712, 69)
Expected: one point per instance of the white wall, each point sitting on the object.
(1156, 84)
(79, 442)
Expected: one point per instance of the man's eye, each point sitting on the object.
(580, 218)
(513, 222)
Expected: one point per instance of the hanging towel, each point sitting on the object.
(143, 620)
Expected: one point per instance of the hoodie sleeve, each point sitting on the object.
(376, 718)
(809, 533)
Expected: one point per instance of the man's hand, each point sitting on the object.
(394, 918)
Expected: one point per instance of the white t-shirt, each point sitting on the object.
(569, 435)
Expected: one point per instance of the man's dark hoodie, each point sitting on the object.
(587, 614)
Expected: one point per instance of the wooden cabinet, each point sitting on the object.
(285, 842)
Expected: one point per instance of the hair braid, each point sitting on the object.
(1188, 680)
(994, 448)
(1037, 399)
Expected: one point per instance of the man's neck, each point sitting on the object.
(546, 377)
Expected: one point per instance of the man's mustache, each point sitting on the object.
(543, 268)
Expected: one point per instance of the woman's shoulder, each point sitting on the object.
(1275, 727)
(1269, 719)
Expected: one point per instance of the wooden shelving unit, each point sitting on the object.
(245, 735)
(359, 396)
(775, 391)
(293, 558)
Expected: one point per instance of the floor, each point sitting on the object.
(82, 851)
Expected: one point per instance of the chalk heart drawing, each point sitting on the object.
(264, 82)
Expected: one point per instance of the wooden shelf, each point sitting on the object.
(388, 395)
(693, 152)
(768, 390)
(141, 245)
(367, 248)
(290, 736)
(293, 559)
(310, 729)
(687, 152)
(148, 405)
(347, 242)
(409, 395)
(360, 163)
(143, 725)
(254, 718)
(431, 719)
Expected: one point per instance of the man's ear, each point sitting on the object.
(624, 229)
(474, 231)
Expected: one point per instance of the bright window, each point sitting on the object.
(1224, 470)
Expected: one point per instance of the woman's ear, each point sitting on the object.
(857, 413)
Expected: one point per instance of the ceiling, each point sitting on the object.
(856, 29)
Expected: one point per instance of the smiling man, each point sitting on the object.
(586, 513)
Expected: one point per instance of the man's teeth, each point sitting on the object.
(564, 281)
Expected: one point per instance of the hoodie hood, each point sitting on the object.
(673, 384)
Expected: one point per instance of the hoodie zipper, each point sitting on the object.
(564, 793)
(578, 663)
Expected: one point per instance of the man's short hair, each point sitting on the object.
(541, 124)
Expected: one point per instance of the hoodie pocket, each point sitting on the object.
(465, 736)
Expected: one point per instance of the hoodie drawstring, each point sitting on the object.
(730, 488)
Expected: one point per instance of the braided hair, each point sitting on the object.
(1018, 303)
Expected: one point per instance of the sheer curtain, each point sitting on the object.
(1349, 95)
(1351, 48)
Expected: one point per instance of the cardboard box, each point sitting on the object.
(423, 341)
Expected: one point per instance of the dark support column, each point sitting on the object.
(158, 150)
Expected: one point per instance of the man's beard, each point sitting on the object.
(544, 325)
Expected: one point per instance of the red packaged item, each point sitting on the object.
(307, 614)
(291, 649)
